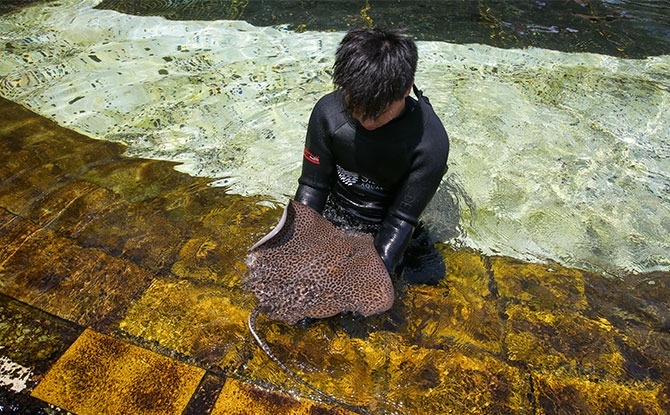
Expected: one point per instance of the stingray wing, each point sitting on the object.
(306, 267)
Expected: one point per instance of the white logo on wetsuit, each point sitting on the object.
(350, 179)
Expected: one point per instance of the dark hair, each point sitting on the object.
(373, 68)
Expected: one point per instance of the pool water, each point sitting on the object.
(552, 222)
(623, 28)
(555, 155)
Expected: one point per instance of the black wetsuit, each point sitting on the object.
(384, 177)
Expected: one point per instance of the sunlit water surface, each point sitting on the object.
(562, 156)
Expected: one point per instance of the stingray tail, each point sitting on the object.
(331, 399)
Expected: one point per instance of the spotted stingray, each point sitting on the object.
(307, 268)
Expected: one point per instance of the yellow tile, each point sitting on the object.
(564, 394)
(198, 321)
(239, 398)
(101, 375)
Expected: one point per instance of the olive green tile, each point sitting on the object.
(138, 233)
(85, 210)
(545, 286)
(638, 307)
(42, 158)
(212, 259)
(454, 316)
(48, 143)
(136, 180)
(217, 252)
(99, 374)
(462, 311)
(345, 367)
(32, 338)
(386, 375)
(27, 187)
(14, 232)
(565, 342)
(199, 259)
(566, 395)
(82, 285)
(432, 381)
(57, 201)
(14, 160)
(466, 266)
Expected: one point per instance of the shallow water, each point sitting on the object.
(555, 155)
(120, 284)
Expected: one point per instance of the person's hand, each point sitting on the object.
(392, 240)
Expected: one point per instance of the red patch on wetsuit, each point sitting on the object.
(311, 157)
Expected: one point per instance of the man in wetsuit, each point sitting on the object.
(374, 156)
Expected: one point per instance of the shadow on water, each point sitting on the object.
(623, 28)
(119, 253)
(8, 6)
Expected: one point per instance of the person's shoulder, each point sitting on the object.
(330, 100)
(329, 107)
(435, 138)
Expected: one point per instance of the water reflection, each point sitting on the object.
(561, 156)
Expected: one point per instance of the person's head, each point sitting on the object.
(375, 70)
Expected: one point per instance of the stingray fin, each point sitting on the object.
(276, 230)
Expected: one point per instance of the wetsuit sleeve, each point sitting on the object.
(392, 240)
(316, 178)
(429, 164)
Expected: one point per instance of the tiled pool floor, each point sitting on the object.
(71, 213)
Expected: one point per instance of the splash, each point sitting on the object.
(560, 156)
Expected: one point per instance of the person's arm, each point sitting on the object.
(312, 197)
(318, 166)
(428, 166)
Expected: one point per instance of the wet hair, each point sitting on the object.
(373, 68)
